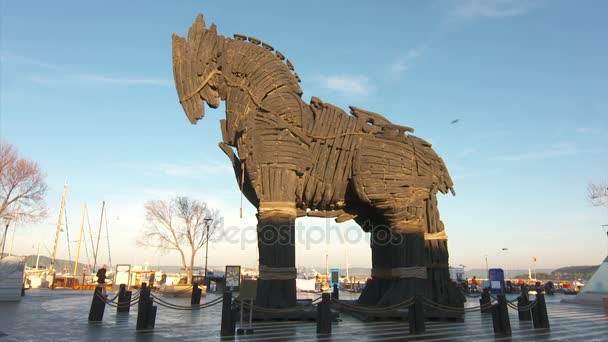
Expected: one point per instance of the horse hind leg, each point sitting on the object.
(398, 258)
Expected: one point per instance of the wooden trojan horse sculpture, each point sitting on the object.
(295, 159)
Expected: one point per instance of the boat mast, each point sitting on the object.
(65, 190)
(347, 276)
(327, 264)
(84, 210)
(103, 206)
(38, 256)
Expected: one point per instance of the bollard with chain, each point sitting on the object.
(195, 299)
(124, 299)
(540, 319)
(485, 301)
(98, 306)
(146, 311)
(416, 316)
(324, 315)
(500, 317)
(335, 294)
(228, 325)
(523, 301)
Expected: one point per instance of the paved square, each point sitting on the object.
(61, 315)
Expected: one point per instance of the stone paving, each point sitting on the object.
(61, 315)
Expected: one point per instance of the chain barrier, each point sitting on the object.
(134, 300)
(185, 308)
(134, 297)
(508, 301)
(440, 306)
(358, 308)
(523, 308)
(105, 300)
(114, 298)
(188, 289)
(279, 310)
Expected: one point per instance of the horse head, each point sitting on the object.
(196, 70)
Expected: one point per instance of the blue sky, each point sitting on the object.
(87, 90)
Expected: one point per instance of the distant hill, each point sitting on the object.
(45, 262)
(574, 272)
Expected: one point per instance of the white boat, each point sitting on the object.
(184, 290)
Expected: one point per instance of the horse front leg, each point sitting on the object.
(276, 238)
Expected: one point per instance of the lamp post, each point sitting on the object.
(207, 220)
(504, 249)
(463, 273)
(487, 268)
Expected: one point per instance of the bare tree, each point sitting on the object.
(22, 188)
(597, 193)
(181, 224)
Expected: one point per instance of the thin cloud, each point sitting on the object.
(179, 169)
(8, 56)
(192, 170)
(346, 85)
(59, 74)
(468, 9)
(551, 151)
(70, 78)
(121, 80)
(403, 63)
(584, 130)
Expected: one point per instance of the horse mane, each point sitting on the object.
(268, 47)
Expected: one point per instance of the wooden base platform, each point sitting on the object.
(398, 314)
(303, 311)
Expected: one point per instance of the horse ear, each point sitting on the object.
(199, 20)
(179, 44)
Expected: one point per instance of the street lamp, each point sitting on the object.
(463, 273)
(504, 249)
(487, 268)
(207, 220)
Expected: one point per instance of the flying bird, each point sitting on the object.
(454, 121)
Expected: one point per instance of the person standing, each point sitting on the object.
(474, 284)
(101, 279)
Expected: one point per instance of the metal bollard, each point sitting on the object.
(324, 315)
(195, 299)
(335, 294)
(416, 316)
(540, 319)
(146, 311)
(98, 306)
(523, 301)
(500, 317)
(485, 301)
(124, 299)
(228, 325)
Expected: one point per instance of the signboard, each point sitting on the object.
(122, 275)
(334, 277)
(248, 289)
(457, 274)
(497, 280)
(233, 277)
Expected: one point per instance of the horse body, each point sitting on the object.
(295, 159)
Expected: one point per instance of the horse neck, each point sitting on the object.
(252, 75)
